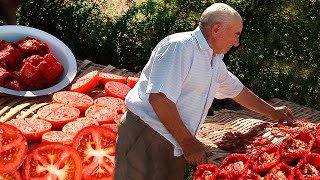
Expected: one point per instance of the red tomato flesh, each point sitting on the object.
(101, 113)
(110, 102)
(132, 81)
(13, 148)
(32, 128)
(52, 161)
(116, 89)
(86, 83)
(58, 136)
(58, 114)
(10, 175)
(105, 77)
(96, 146)
(74, 127)
(75, 99)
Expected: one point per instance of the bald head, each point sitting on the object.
(218, 13)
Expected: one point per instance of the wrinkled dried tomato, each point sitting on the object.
(266, 158)
(3, 75)
(280, 172)
(308, 168)
(12, 84)
(250, 176)
(297, 145)
(233, 166)
(205, 172)
(50, 68)
(317, 138)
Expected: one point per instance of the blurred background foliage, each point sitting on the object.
(278, 56)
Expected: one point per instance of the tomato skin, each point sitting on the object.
(31, 128)
(250, 176)
(10, 175)
(205, 172)
(301, 170)
(105, 77)
(96, 146)
(58, 114)
(266, 158)
(230, 161)
(116, 89)
(132, 81)
(285, 169)
(12, 144)
(112, 127)
(86, 83)
(75, 99)
(55, 158)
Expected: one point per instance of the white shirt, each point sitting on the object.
(182, 67)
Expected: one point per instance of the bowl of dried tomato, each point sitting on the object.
(33, 62)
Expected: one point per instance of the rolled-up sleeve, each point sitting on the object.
(229, 85)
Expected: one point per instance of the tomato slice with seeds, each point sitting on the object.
(58, 114)
(116, 89)
(13, 147)
(280, 171)
(75, 99)
(52, 161)
(10, 175)
(266, 158)
(110, 102)
(132, 81)
(102, 114)
(105, 77)
(112, 127)
(32, 128)
(308, 167)
(74, 127)
(205, 172)
(233, 166)
(96, 146)
(58, 136)
(86, 83)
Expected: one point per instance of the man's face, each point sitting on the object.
(226, 36)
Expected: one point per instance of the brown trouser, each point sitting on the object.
(143, 154)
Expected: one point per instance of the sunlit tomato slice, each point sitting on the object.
(105, 77)
(58, 114)
(10, 175)
(266, 158)
(58, 136)
(13, 147)
(205, 172)
(86, 83)
(116, 89)
(52, 161)
(96, 146)
(32, 128)
(110, 102)
(112, 127)
(297, 145)
(80, 123)
(233, 166)
(101, 113)
(308, 168)
(75, 99)
(279, 172)
(132, 81)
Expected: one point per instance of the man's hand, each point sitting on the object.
(283, 114)
(194, 152)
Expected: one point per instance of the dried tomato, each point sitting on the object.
(280, 171)
(50, 68)
(233, 166)
(205, 172)
(29, 73)
(308, 168)
(250, 176)
(317, 137)
(266, 158)
(3, 75)
(12, 84)
(29, 45)
(297, 145)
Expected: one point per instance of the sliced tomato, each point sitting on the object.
(86, 83)
(110, 102)
(105, 77)
(102, 114)
(96, 146)
(74, 127)
(266, 158)
(58, 114)
(205, 172)
(250, 176)
(116, 89)
(280, 171)
(308, 167)
(58, 136)
(52, 161)
(233, 166)
(32, 128)
(13, 148)
(75, 99)
(132, 81)
(118, 118)
(10, 175)
(113, 127)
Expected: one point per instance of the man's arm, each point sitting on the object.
(251, 101)
(168, 114)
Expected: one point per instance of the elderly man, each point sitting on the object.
(170, 102)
